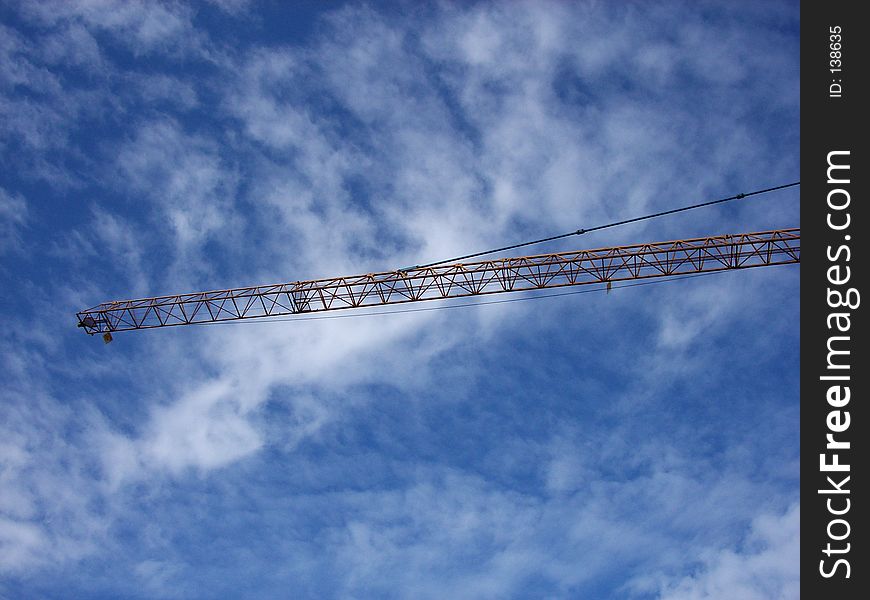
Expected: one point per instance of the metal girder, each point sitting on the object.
(620, 263)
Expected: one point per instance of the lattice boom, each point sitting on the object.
(641, 261)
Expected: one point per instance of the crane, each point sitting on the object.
(442, 281)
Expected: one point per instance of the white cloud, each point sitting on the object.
(21, 545)
(13, 216)
(529, 149)
(162, 91)
(456, 129)
(699, 311)
(36, 124)
(74, 45)
(205, 428)
(157, 576)
(190, 191)
(454, 533)
(144, 26)
(211, 423)
(46, 496)
(116, 238)
(767, 569)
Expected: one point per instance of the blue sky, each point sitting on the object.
(638, 444)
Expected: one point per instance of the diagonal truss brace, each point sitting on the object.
(620, 263)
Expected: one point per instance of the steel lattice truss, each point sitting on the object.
(641, 261)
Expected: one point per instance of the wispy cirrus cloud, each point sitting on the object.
(768, 567)
(13, 216)
(139, 26)
(479, 452)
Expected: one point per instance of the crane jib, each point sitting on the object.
(419, 283)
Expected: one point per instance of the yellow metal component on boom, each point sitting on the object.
(601, 265)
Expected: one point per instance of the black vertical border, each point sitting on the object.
(832, 124)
